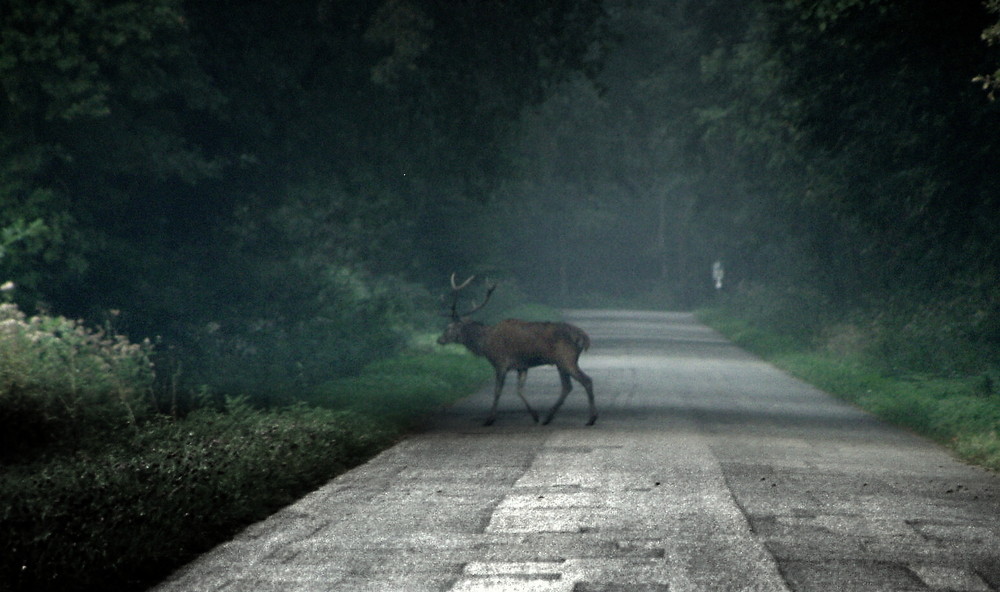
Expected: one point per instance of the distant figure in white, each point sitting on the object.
(717, 274)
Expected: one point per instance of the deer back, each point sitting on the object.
(515, 343)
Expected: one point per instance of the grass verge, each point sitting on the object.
(961, 412)
(122, 516)
(400, 391)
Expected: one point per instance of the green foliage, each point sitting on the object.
(84, 90)
(831, 157)
(121, 519)
(928, 339)
(958, 412)
(404, 27)
(295, 306)
(795, 313)
(64, 60)
(403, 389)
(279, 343)
(120, 514)
(268, 207)
(900, 338)
(602, 167)
(60, 380)
(19, 231)
(747, 334)
(37, 230)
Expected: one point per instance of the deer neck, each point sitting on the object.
(474, 337)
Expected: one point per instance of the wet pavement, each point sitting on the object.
(707, 470)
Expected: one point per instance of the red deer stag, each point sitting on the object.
(519, 345)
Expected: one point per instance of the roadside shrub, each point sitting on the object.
(936, 339)
(59, 378)
(124, 518)
(122, 515)
(298, 329)
(797, 313)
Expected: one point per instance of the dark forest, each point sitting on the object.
(295, 180)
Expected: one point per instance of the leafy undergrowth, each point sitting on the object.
(112, 519)
(960, 411)
(402, 390)
(121, 516)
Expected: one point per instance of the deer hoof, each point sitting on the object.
(592, 420)
(489, 422)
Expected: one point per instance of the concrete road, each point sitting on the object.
(707, 470)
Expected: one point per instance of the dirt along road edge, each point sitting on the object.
(707, 470)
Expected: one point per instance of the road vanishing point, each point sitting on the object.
(708, 470)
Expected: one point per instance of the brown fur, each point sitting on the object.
(518, 345)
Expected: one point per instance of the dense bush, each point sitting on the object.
(60, 379)
(123, 508)
(116, 519)
(795, 313)
(940, 335)
(293, 329)
(909, 333)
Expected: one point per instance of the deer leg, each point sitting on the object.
(522, 376)
(588, 384)
(567, 386)
(501, 377)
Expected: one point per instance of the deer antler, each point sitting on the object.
(489, 292)
(456, 288)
